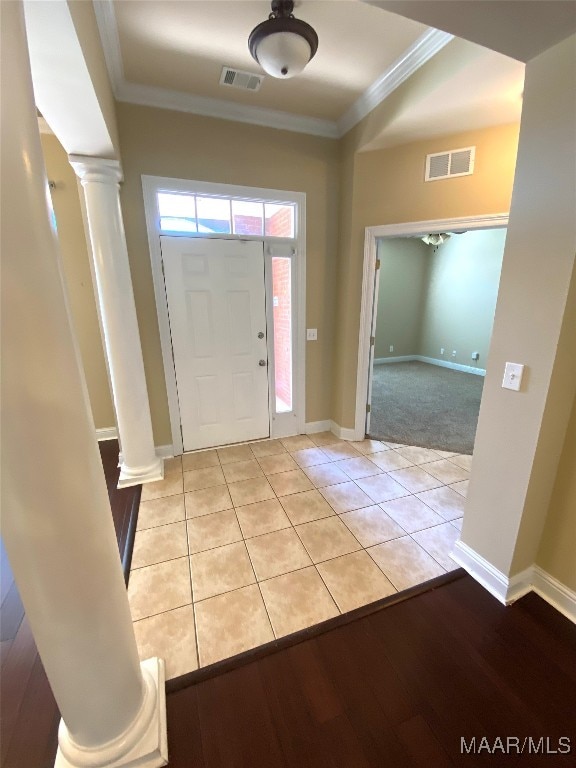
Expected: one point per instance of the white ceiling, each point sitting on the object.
(483, 89)
(519, 28)
(184, 45)
(170, 54)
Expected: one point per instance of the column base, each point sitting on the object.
(130, 476)
(151, 749)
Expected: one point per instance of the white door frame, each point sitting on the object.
(281, 425)
(490, 221)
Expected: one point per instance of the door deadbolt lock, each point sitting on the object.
(262, 362)
(261, 335)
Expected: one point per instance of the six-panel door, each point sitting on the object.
(217, 309)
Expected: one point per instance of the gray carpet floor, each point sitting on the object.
(420, 404)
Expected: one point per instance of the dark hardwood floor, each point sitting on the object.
(124, 503)
(397, 688)
(28, 713)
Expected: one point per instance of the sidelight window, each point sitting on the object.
(282, 311)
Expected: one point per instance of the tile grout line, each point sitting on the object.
(328, 588)
(158, 562)
(161, 525)
(432, 508)
(196, 644)
(430, 553)
(260, 593)
(409, 533)
(385, 574)
(161, 613)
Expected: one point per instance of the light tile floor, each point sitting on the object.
(241, 545)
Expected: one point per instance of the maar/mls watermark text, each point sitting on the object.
(515, 745)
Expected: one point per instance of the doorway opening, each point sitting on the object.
(228, 266)
(433, 325)
(427, 310)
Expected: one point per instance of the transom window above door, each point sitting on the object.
(215, 215)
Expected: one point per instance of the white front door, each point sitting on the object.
(217, 309)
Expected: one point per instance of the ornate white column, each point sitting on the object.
(100, 180)
(56, 519)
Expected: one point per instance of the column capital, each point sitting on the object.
(99, 169)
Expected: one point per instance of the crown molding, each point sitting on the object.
(412, 59)
(163, 98)
(421, 51)
(108, 28)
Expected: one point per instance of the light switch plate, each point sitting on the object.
(311, 334)
(513, 376)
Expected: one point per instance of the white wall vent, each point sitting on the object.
(446, 165)
(236, 78)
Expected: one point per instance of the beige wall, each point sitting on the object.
(387, 188)
(520, 434)
(174, 144)
(73, 248)
(402, 290)
(557, 553)
(464, 273)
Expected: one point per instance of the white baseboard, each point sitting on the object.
(402, 359)
(481, 570)
(519, 585)
(554, 592)
(453, 366)
(312, 427)
(111, 433)
(344, 433)
(431, 361)
(508, 590)
(106, 433)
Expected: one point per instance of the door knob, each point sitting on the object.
(262, 362)
(261, 335)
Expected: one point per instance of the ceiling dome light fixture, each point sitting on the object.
(283, 45)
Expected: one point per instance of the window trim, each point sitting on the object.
(230, 199)
(281, 424)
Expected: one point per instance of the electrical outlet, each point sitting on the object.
(311, 334)
(475, 355)
(453, 353)
(441, 350)
(391, 347)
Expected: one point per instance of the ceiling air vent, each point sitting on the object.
(236, 78)
(446, 165)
